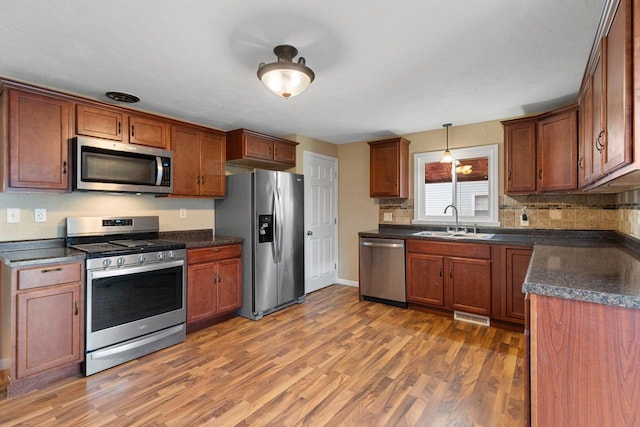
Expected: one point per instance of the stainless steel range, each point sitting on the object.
(135, 288)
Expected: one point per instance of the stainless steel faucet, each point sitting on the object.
(455, 210)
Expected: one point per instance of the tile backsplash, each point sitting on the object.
(564, 211)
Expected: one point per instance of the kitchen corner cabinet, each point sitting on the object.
(47, 309)
(541, 153)
(389, 168)
(119, 125)
(37, 126)
(508, 298)
(451, 276)
(214, 285)
(583, 367)
(198, 161)
(606, 96)
(249, 148)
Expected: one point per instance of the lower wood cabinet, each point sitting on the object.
(584, 361)
(214, 284)
(45, 323)
(453, 276)
(508, 299)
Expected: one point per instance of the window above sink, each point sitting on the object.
(470, 183)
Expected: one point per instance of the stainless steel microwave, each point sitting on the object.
(102, 165)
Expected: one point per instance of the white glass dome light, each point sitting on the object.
(286, 78)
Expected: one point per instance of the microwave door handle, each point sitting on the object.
(159, 170)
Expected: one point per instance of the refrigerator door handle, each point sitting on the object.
(276, 226)
(279, 229)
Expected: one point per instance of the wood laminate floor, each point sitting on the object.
(330, 361)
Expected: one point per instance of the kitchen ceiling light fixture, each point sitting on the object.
(446, 156)
(286, 78)
(123, 97)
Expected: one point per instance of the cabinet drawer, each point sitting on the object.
(213, 253)
(47, 275)
(471, 250)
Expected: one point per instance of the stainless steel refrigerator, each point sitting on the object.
(266, 209)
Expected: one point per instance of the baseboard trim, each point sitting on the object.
(348, 282)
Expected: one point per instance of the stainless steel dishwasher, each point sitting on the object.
(382, 276)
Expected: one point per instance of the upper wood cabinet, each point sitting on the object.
(541, 152)
(389, 168)
(198, 161)
(37, 127)
(118, 125)
(249, 148)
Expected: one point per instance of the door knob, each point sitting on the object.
(309, 233)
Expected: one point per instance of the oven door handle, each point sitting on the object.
(121, 271)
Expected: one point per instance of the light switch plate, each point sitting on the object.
(388, 216)
(40, 215)
(13, 215)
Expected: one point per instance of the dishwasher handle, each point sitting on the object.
(382, 245)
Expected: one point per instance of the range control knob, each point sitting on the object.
(142, 259)
(161, 255)
(106, 262)
(120, 261)
(172, 254)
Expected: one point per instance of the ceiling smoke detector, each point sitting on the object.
(123, 97)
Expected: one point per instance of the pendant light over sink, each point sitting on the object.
(446, 156)
(286, 78)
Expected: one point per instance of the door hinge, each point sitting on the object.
(335, 266)
(335, 220)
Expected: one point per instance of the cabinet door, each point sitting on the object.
(148, 131)
(98, 122)
(229, 285)
(557, 140)
(212, 164)
(39, 129)
(469, 284)
(618, 145)
(425, 279)
(585, 126)
(596, 163)
(388, 168)
(517, 263)
(520, 157)
(201, 292)
(284, 152)
(258, 148)
(186, 158)
(48, 328)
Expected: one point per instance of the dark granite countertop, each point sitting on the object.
(593, 266)
(35, 252)
(199, 238)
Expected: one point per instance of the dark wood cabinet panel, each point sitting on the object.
(389, 168)
(254, 149)
(39, 127)
(585, 135)
(470, 285)
(214, 284)
(48, 329)
(596, 164)
(149, 131)
(516, 266)
(583, 355)
(99, 122)
(454, 276)
(425, 279)
(557, 140)
(520, 156)
(198, 162)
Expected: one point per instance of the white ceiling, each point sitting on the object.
(382, 68)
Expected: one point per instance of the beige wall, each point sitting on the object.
(200, 213)
(313, 145)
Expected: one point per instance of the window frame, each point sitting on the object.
(420, 159)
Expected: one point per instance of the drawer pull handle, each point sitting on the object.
(75, 303)
(451, 273)
(50, 270)
(216, 250)
(440, 271)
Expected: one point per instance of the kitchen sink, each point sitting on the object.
(454, 235)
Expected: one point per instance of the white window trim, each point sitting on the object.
(419, 160)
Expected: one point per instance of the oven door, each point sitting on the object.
(128, 302)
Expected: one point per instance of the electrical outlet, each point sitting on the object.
(388, 216)
(40, 215)
(13, 215)
(524, 222)
(183, 213)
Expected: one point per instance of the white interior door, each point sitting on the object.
(321, 221)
